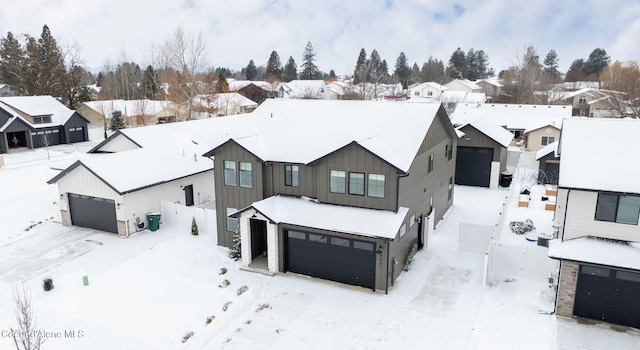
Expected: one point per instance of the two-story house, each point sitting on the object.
(339, 190)
(597, 211)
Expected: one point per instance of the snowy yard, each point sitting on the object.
(150, 290)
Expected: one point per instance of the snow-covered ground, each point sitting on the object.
(149, 290)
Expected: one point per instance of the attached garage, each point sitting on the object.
(473, 166)
(93, 212)
(608, 294)
(76, 134)
(332, 258)
(48, 137)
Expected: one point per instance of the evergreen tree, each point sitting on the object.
(150, 83)
(457, 68)
(309, 70)
(402, 71)
(433, 70)
(235, 252)
(251, 72)
(384, 71)
(117, 122)
(361, 72)
(12, 61)
(598, 60)
(375, 71)
(415, 74)
(194, 227)
(221, 84)
(47, 58)
(476, 64)
(290, 70)
(332, 74)
(550, 70)
(274, 67)
(575, 72)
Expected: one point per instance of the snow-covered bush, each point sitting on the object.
(235, 252)
(47, 284)
(522, 227)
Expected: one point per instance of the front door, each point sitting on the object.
(258, 237)
(188, 195)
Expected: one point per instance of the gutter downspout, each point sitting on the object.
(386, 290)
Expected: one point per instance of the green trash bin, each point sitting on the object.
(154, 221)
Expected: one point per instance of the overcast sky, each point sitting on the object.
(240, 30)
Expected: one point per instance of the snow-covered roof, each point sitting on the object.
(595, 154)
(552, 147)
(491, 81)
(145, 167)
(492, 130)
(37, 106)
(543, 124)
(511, 116)
(463, 97)
(465, 82)
(324, 126)
(129, 107)
(429, 84)
(222, 100)
(308, 213)
(597, 251)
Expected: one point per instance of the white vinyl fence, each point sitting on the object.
(181, 216)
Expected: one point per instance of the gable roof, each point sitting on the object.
(128, 107)
(492, 130)
(393, 131)
(158, 168)
(552, 147)
(511, 116)
(595, 154)
(37, 106)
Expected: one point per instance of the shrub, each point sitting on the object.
(194, 227)
(522, 227)
(47, 284)
(235, 252)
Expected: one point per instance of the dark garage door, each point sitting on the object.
(609, 295)
(76, 134)
(43, 138)
(332, 258)
(93, 212)
(473, 166)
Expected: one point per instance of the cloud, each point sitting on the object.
(241, 30)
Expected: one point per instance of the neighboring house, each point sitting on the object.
(491, 87)
(481, 153)
(306, 89)
(540, 136)
(451, 99)
(221, 104)
(114, 192)
(339, 190)
(548, 164)
(597, 214)
(134, 112)
(38, 121)
(429, 90)
(8, 91)
(257, 91)
(520, 120)
(339, 90)
(591, 102)
(464, 85)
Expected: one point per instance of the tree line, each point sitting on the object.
(179, 69)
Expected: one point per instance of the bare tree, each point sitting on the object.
(186, 55)
(622, 79)
(25, 336)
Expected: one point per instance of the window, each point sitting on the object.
(547, 140)
(246, 178)
(376, 186)
(582, 99)
(337, 181)
(618, 208)
(430, 165)
(230, 173)
(429, 93)
(517, 133)
(450, 189)
(417, 93)
(232, 223)
(291, 175)
(356, 184)
(297, 235)
(340, 242)
(363, 245)
(448, 151)
(582, 112)
(317, 238)
(412, 220)
(403, 229)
